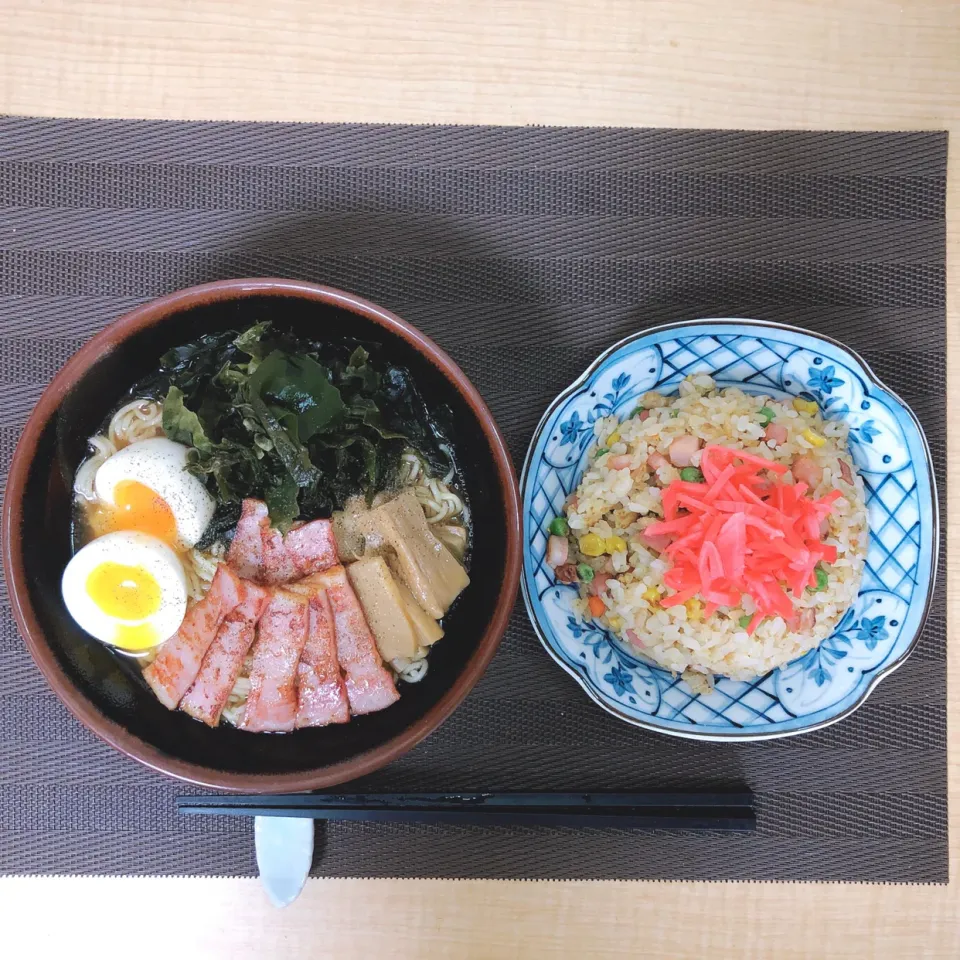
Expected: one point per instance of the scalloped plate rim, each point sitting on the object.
(735, 735)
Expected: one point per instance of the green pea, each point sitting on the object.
(744, 621)
(822, 578)
(767, 416)
(674, 414)
(691, 475)
(585, 572)
(601, 452)
(559, 526)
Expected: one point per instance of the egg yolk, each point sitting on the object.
(123, 592)
(137, 507)
(141, 637)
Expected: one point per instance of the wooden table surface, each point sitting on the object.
(799, 64)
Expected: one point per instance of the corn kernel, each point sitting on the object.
(591, 545)
(613, 438)
(813, 438)
(651, 595)
(615, 623)
(694, 609)
(805, 406)
(614, 545)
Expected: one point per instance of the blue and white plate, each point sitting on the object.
(889, 448)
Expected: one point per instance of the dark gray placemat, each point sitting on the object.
(524, 252)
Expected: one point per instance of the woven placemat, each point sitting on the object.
(524, 252)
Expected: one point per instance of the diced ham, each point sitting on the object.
(644, 414)
(322, 694)
(658, 542)
(312, 547)
(221, 666)
(682, 450)
(281, 636)
(845, 472)
(558, 549)
(598, 584)
(278, 565)
(776, 433)
(657, 460)
(620, 462)
(369, 686)
(807, 470)
(178, 662)
(246, 551)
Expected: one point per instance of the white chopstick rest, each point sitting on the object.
(284, 855)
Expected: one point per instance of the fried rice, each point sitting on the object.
(620, 495)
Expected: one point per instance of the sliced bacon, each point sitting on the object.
(178, 662)
(246, 551)
(278, 565)
(259, 552)
(221, 666)
(369, 686)
(312, 547)
(321, 692)
(281, 636)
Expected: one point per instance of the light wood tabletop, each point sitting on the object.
(798, 64)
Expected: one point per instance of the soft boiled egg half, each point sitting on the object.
(127, 589)
(146, 487)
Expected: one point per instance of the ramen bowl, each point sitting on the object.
(106, 692)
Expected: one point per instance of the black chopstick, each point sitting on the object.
(625, 811)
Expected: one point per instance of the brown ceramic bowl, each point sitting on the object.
(105, 691)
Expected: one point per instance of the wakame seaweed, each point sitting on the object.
(299, 424)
